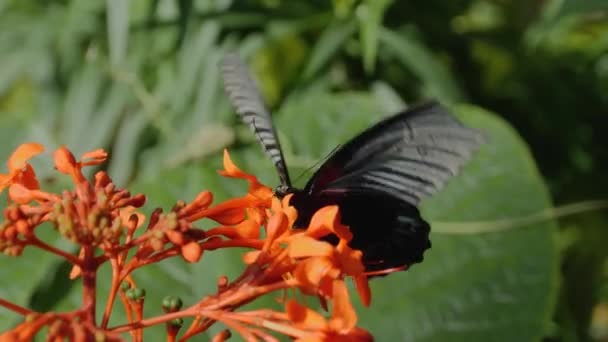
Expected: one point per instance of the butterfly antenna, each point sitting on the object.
(320, 161)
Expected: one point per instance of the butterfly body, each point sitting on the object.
(390, 233)
(377, 179)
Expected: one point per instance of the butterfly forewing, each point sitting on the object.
(409, 156)
(248, 103)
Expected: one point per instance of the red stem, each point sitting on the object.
(16, 308)
(34, 241)
(113, 291)
(206, 245)
(154, 320)
(89, 273)
(235, 325)
(237, 297)
(196, 328)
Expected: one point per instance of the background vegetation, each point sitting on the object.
(141, 79)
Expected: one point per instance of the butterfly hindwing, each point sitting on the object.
(248, 103)
(409, 156)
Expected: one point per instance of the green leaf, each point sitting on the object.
(330, 41)
(117, 12)
(437, 80)
(124, 156)
(370, 15)
(559, 8)
(387, 97)
(189, 62)
(80, 103)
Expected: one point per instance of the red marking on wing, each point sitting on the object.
(327, 175)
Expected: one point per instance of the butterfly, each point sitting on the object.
(377, 179)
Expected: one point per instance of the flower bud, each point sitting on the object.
(172, 304)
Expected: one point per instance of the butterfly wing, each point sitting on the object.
(409, 156)
(247, 101)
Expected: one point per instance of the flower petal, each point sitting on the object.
(311, 272)
(64, 161)
(22, 154)
(305, 246)
(231, 170)
(204, 199)
(94, 157)
(349, 259)
(277, 225)
(362, 286)
(20, 194)
(248, 229)
(125, 215)
(327, 220)
(27, 178)
(354, 335)
(192, 251)
(291, 212)
(343, 317)
(251, 257)
(229, 212)
(304, 317)
(312, 338)
(256, 189)
(256, 214)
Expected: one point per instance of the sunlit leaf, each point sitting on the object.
(118, 29)
(370, 15)
(330, 41)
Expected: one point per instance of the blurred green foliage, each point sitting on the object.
(141, 79)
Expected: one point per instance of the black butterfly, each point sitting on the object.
(377, 179)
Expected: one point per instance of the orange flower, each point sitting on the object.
(340, 327)
(20, 171)
(343, 317)
(315, 275)
(126, 213)
(326, 262)
(327, 221)
(304, 317)
(283, 206)
(192, 251)
(233, 211)
(248, 229)
(305, 246)
(256, 189)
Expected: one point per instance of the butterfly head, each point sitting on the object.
(283, 190)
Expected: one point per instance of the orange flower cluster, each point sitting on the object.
(102, 220)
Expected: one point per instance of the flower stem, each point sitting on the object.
(89, 273)
(112, 295)
(16, 308)
(34, 241)
(153, 321)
